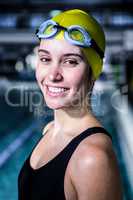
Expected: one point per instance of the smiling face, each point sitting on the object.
(61, 73)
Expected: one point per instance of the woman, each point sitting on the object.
(74, 160)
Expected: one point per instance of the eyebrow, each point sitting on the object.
(73, 54)
(65, 55)
(43, 51)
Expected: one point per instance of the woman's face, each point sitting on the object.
(61, 73)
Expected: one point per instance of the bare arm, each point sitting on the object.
(96, 176)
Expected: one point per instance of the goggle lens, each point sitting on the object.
(76, 35)
(48, 30)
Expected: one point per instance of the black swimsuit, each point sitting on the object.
(47, 182)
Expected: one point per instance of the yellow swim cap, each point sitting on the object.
(85, 20)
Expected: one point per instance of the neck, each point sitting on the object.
(70, 120)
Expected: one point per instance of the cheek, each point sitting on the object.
(40, 73)
(76, 78)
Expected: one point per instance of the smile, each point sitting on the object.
(56, 91)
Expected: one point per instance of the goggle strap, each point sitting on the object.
(36, 31)
(96, 47)
(60, 27)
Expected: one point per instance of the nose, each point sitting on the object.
(55, 74)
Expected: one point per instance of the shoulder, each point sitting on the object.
(47, 127)
(94, 169)
(95, 146)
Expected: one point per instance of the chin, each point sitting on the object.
(58, 102)
(55, 106)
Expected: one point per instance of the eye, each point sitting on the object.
(45, 60)
(71, 62)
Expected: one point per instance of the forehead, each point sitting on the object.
(55, 46)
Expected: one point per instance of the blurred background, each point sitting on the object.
(23, 114)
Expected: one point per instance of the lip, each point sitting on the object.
(56, 86)
(56, 94)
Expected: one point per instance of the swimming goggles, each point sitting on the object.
(74, 34)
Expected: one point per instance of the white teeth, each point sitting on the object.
(54, 89)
